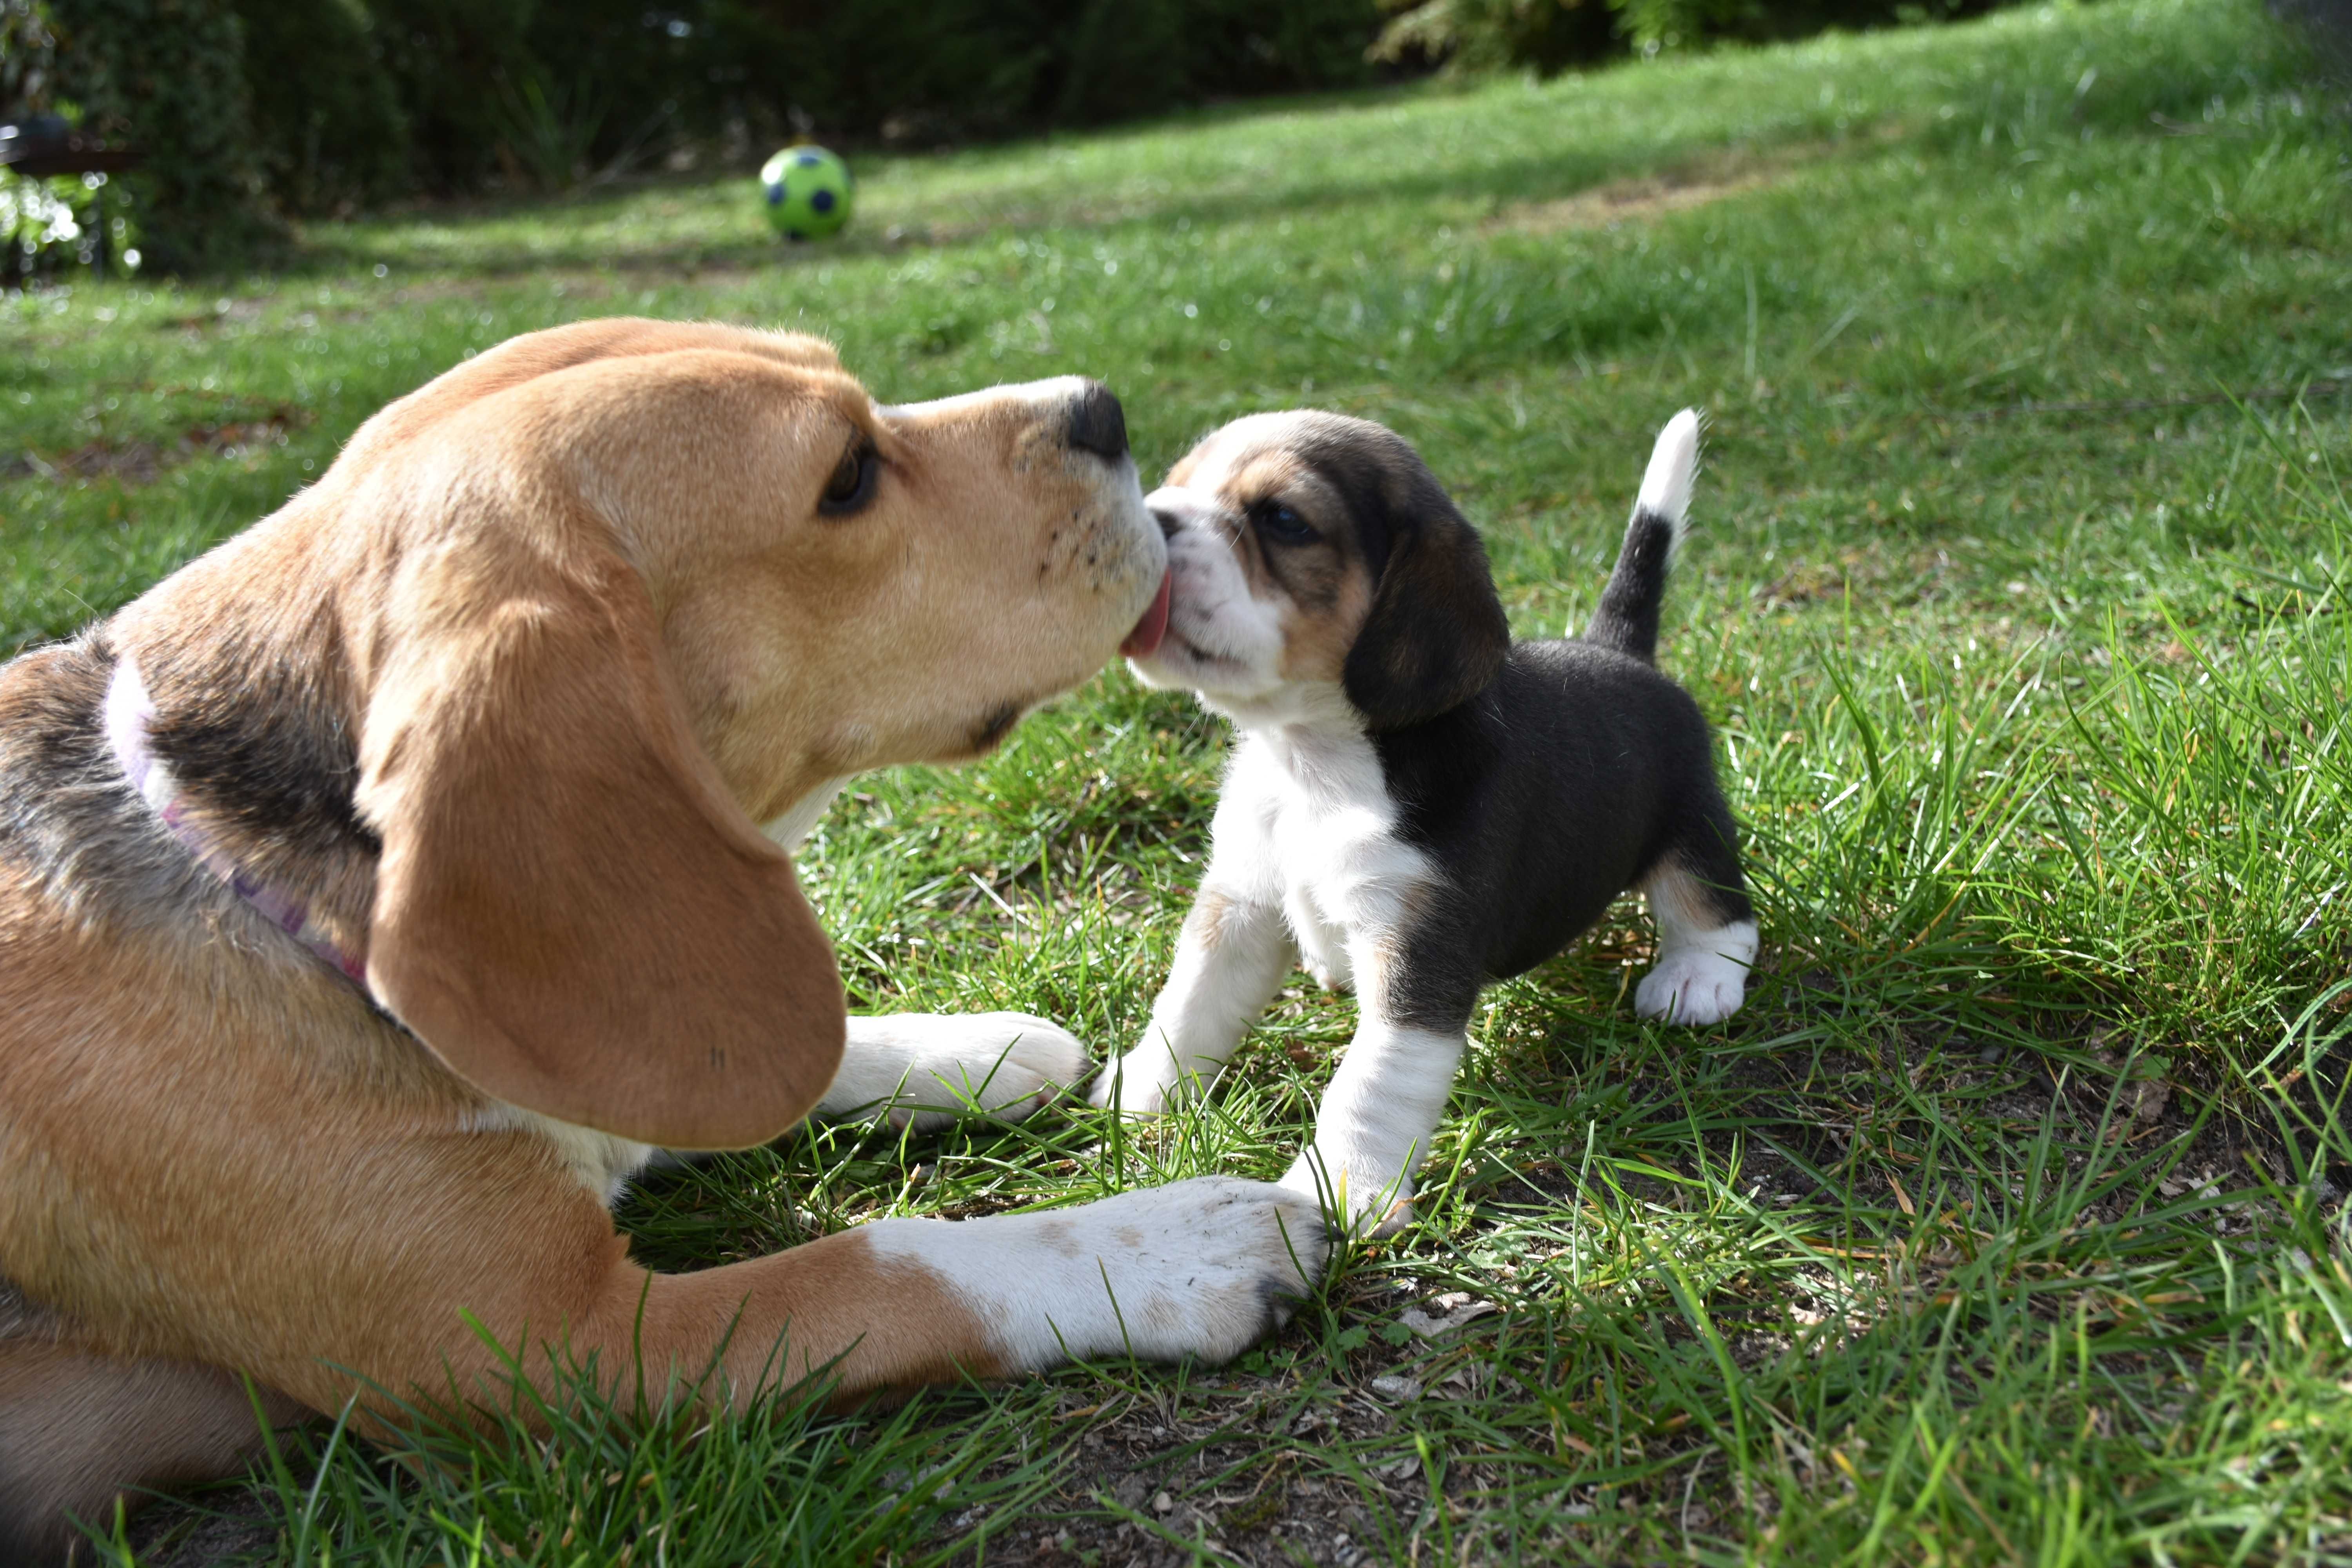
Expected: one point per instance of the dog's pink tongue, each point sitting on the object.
(1145, 637)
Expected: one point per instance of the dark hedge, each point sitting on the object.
(1554, 35)
(169, 76)
(248, 109)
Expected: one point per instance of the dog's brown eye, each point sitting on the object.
(1278, 524)
(852, 484)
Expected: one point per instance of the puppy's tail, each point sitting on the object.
(1628, 618)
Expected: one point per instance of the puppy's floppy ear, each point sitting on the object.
(570, 908)
(1435, 635)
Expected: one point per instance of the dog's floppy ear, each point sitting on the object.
(570, 908)
(1435, 635)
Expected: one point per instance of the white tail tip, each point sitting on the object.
(1674, 463)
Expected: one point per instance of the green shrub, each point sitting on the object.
(1490, 35)
(29, 51)
(942, 68)
(2327, 24)
(249, 106)
(43, 223)
(1552, 35)
(168, 76)
(446, 59)
(49, 224)
(327, 117)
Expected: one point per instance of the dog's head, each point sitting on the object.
(1313, 554)
(838, 584)
(604, 598)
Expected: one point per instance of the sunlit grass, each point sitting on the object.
(2006, 1223)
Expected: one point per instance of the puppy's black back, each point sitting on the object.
(1570, 778)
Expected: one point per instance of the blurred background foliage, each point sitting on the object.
(252, 112)
(1555, 34)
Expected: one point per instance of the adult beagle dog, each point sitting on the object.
(1415, 804)
(382, 888)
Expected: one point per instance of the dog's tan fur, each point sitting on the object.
(572, 620)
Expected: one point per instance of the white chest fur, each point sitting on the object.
(602, 1161)
(1306, 814)
(1307, 838)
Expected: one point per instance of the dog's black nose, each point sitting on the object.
(1167, 521)
(1098, 424)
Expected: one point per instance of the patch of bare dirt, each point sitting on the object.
(133, 463)
(1711, 177)
(1649, 196)
(1229, 1474)
(205, 1532)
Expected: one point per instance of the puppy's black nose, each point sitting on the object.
(1167, 521)
(1098, 424)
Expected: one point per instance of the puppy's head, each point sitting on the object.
(1311, 552)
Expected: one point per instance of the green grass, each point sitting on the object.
(2006, 1223)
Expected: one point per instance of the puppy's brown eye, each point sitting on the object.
(852, 484)
(1278, 524)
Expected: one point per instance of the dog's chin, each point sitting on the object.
(988, 731)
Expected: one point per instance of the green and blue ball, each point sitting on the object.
(806, 191)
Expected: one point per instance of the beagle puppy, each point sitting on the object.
(380, 889)
(1415, 805)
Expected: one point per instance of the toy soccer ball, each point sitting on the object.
(806, 191)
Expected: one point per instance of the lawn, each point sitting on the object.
(2006, 1223)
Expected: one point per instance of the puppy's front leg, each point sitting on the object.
(80, 1431)
(1233, 954)
(925, 1069)
(1373, 1128)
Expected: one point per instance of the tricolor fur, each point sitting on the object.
(1416, 806)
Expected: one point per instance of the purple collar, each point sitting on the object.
(128, 712)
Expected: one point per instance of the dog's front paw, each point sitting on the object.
(1692, 986)
(926, 1069)
(1202, 1268)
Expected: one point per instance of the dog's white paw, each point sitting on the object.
(1201, 1268)
(926, 1069)
(1694, 986)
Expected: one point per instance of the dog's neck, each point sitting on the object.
(128, 712)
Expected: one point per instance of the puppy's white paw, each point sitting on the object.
(1147, 1081)
(1327, 978)
(1694, 986)
(926, 1069)
(1363, 1195)
(1201, 1268)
